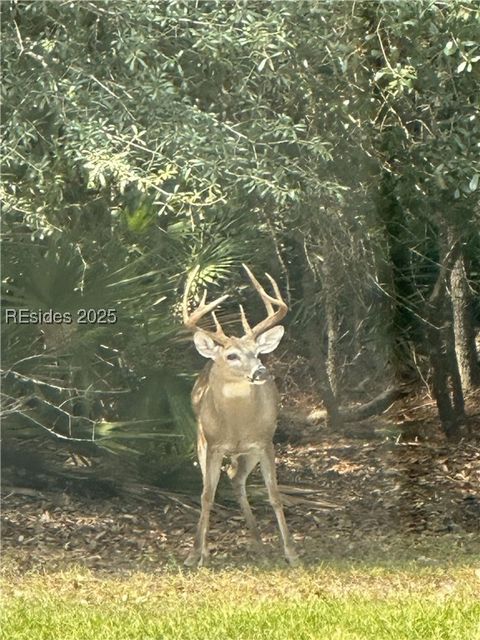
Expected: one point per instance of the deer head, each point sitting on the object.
(238, 358)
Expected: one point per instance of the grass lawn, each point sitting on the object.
(327, 603)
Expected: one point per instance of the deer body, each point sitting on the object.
(233, 416)
(236, 403)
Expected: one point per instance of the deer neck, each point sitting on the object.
(230, 388)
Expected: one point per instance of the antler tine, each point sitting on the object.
(267, 300)
(218, 326)
(186, 292)
(273, 317)
(275, 287)
(190, 320)
(246, 327)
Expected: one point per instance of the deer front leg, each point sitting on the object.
(267, 464)
(238, 473)
(211, 464)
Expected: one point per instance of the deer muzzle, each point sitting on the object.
(260, 374)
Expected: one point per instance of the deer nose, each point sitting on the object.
(260, 374)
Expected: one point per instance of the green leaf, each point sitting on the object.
(262, 64)
(450, 48)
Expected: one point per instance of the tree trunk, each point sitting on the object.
(334, 420)
(440, 387)
(396, 276)
(374, 407)
(314, 340)
(456, 381)
(333, 323)
(465, 350)
(441, 350)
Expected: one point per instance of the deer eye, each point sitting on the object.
(233, 356)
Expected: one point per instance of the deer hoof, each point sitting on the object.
(196, 559)
(203, 562)
(293, 560)
(193, 559)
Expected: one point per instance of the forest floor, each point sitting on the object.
(387, 496)
(386, 519)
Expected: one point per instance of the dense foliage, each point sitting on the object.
(333, 144)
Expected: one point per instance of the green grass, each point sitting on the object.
(322, 603)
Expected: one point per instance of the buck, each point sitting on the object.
(235, 401)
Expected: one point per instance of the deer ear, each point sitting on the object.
(269, 340)
(206, 347)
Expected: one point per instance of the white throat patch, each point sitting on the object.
(237, 389)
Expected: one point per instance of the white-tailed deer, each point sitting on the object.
(235, 402)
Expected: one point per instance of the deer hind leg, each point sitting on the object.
(211, 464)
(239, 471)
(267, 463)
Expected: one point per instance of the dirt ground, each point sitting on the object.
(396, 492)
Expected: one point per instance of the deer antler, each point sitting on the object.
(190, 320)
(273, 316)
